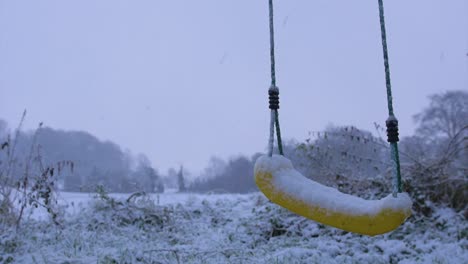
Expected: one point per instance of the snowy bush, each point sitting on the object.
(137, 210)
(351, 160)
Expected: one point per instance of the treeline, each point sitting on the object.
(234, 176)
(91, 162)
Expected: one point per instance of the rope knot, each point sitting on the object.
(273, 96)
(392, 129)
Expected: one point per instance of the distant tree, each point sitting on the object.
(215, 167)
(155, 181)
(159, 186)
(170, 179)
(443, 131)
(145, 177)
(238, 176)
(95, 161)
(446, 115)
(435, 159)
(235, 177)
(181, 180)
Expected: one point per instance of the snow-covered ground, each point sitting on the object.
(219, 228)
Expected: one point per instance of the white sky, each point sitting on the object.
(184, 80)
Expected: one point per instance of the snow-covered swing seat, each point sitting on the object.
(283, 185)
(276, 177)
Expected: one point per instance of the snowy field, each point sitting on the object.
(219, 228)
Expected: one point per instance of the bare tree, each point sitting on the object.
(446, 115)
(181, 180)
(435, 159)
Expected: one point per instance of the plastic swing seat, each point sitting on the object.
(282, 184)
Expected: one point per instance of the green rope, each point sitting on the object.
(272, 46)
(385, 55)
(278, 133)
(275, 114)
(393, 145)
(272, 132)
(396, 167)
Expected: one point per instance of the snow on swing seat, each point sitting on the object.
(282, 184)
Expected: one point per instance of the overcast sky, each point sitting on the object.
(184, 80)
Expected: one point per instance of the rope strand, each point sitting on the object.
(392, 122)
(278, 133)
(273, 91)
(272, 45)
(385, 55)
(272, 133)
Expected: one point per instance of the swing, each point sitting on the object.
(276, 177)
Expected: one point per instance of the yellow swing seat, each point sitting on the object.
(276, 177)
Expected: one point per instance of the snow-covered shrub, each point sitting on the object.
(433, 172)
(137, 210)
(349, 159)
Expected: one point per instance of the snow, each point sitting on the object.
(224, 228)
(288, 180)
